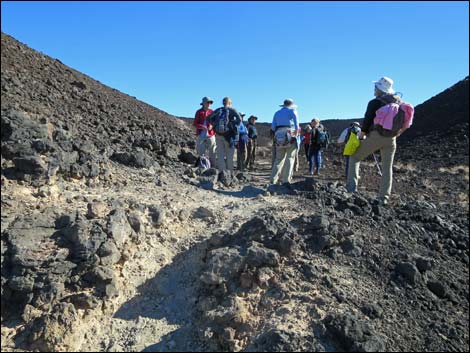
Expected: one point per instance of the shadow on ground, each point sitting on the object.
(171, 296)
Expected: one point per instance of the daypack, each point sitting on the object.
(393, 117)
(283, 136)
(222, 122)
(352, 145)
(323, 139)
(203, 162)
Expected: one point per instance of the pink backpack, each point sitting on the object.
(393, 117)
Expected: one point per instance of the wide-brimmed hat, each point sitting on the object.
(206, 99)
(385, 85)
(242, 114)
(289, 103)
(253, 117)
(356, 123)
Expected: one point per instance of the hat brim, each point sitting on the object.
(210, 102)
(292, 106)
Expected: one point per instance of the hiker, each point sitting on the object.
(315, 148)
(242, 145)
(307, 132)
(204, 131)
(226, 121)
(296, 162)
(252, 142)
(382, 127)
(355, 128)
(285, 128)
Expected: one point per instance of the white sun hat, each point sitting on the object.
(385, 85)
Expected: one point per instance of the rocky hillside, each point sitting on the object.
(111, 240)
(56, 120)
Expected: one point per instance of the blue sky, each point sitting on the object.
(324, 55)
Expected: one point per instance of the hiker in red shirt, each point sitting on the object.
(204, 131)
(307, 133)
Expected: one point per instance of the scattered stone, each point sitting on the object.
(408, 271)
(97, 209)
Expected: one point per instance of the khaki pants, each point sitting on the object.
(224, 151)
(206, 143)
(374, 142)
(284, 162)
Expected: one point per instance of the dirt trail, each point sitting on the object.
(161, 281)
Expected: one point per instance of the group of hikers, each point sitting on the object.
(222, 131)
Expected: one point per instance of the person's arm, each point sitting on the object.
(296, 121)
(211, 118)
(369, 116)
(198, 122)
(273, 125)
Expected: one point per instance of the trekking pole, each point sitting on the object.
(377, 164)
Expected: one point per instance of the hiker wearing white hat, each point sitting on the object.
(204, 131)
(377, 139)
(285, 128)
(384, 85)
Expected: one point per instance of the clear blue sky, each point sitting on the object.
(322, 54)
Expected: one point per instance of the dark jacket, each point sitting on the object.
(314, 143)
(374, 105)
(252, 132)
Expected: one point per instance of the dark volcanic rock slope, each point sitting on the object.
(58, 120)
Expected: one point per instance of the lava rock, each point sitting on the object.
(258, 256)
(222, 265)
(408, 271)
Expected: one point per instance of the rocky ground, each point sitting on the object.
(109, 243)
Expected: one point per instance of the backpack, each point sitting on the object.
(203, 162)
(393, 117)
(352, 144)
(222, 121)
(283, 136)
(322, 139)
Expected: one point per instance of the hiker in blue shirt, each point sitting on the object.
(242, 144)
(285, 127)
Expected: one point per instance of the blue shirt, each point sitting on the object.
(242, 129)
(285, 117)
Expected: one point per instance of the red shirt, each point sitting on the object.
(200, 121)
(307, 138)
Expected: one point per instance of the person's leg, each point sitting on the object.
(239, 157)
(253, 156)
(372, 143)
(346, 158)
(230, 152)
(316, 162)
(200, 146)
(210, 144)
(244, 155)
(249, 148)
(306, 153)
(296, 160)
(320, 159)
(288, 171)
(220, 140)
(281, 153)
(273, 155)
(311, 162)
(388, 153)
